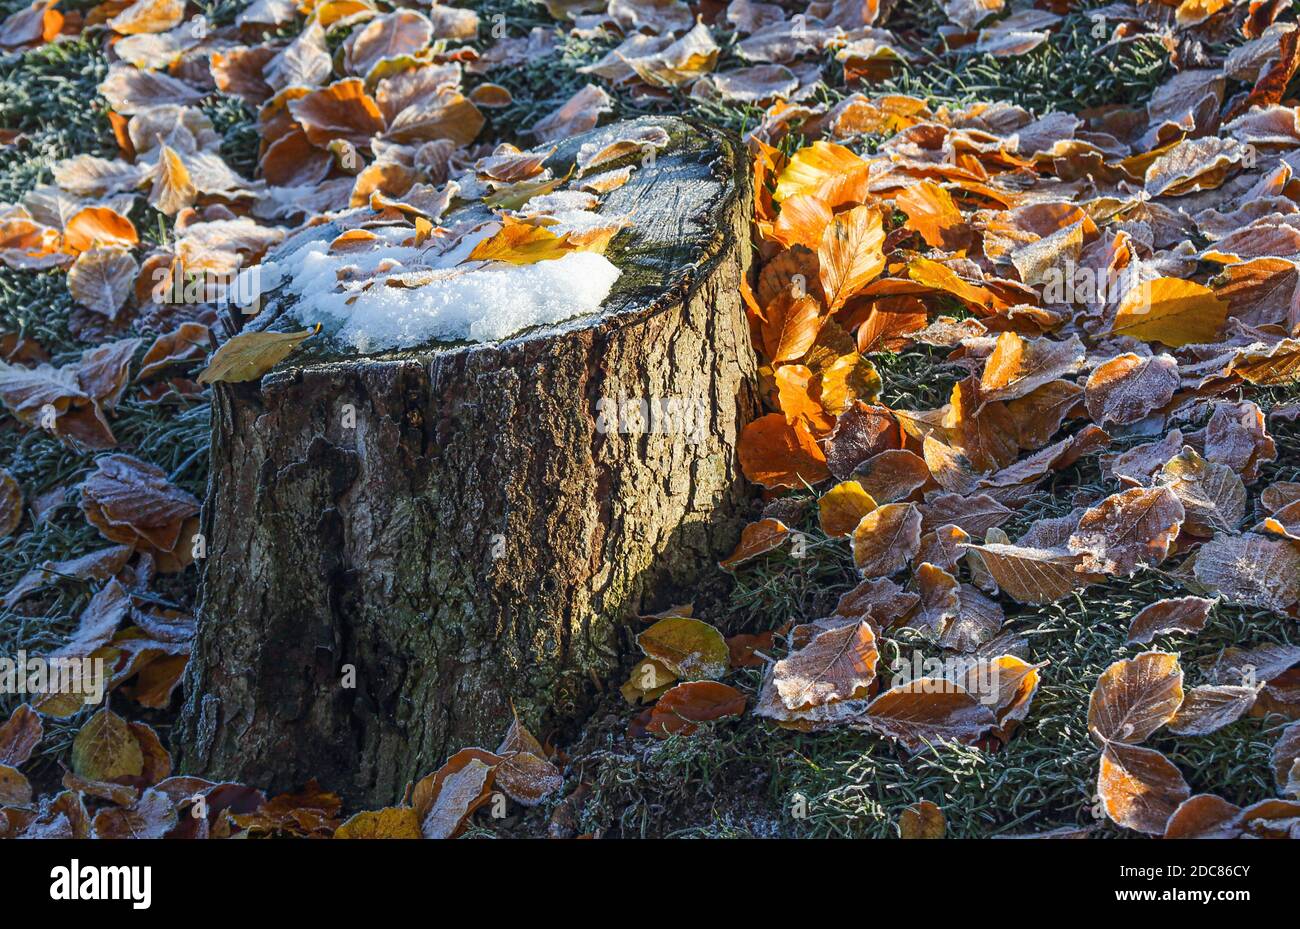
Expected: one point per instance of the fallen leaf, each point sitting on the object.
(927, 711)
(1164, 617)
(1135, 697)
(679, 710)
(757, 538)
(689, 648)
(1130, 387)
(1251, 569)
(249, 355)
(886, 539)
(842, 507)
(1170, 310)
(1128, 530)
(922, 820)
(1139, 788)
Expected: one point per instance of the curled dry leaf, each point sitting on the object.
(886, 539)
(879, 600)
(11, 504)
(1135, 697)
(1179, 614)
(19, 736)
(1213, 496)
(689, 648)
(1139, 788)
(525, 773)
(892, 475)
(1020, 366)
(151, 816)
(1204, 816)
(444, 800)
(132, 502)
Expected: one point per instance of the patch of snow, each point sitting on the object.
(396, 296)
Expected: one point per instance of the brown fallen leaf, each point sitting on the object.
(1135, 697)
(1252, 569)
(689, 648)
(757, 538)
(525, 774)
(922, 820)
(1212, 495)
(681, 709)
(927, 711)
(1204, 816)
(1128, 530)
(132, 502)
(445, 799)
(1208, 709)
(1164, 617)
(1130, 387)
(886, 539)
(19, 736)
(1139, 788)
(837, 665)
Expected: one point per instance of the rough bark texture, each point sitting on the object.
(477, 537)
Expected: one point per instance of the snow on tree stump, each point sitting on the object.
(401, 545)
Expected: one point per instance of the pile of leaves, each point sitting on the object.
(1110, 289)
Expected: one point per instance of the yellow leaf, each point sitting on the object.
(842, 507)
(812, 166)
(1172, 311)
(851, 254)
(521, 243)
(249, 355)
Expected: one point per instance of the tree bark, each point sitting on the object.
(377, 594)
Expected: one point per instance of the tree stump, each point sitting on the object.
(377, 595)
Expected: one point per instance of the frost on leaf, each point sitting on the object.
(1128, 530)
(928, 711)
(886, 539)
(1256, 570)
(1139, 788)
(1130, 387)
(1180, 614)
(1135, 697)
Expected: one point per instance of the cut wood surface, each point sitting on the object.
(450, 529)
